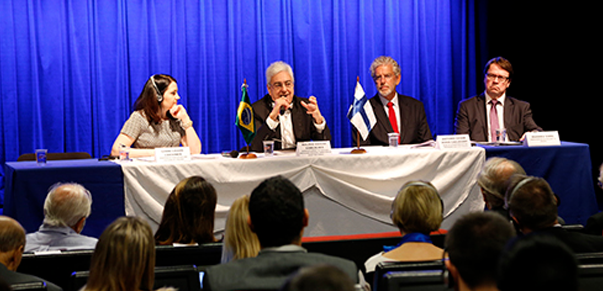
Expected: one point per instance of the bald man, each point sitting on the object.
(66, 208)
(12, 244)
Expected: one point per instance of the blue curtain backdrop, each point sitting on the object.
(71, 70)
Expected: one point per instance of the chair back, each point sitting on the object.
(418, 280)
(590, 277)
(29, 286)
(56, 156)
(183, 278)
(386, 273)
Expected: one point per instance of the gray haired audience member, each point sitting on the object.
(474, 244)
(321, 277)
(492, 181)
(537, 262)
(65, 211)
(12, 242)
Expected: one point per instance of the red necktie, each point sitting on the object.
(392, 117)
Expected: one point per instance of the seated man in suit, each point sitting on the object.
(533, 206)
(278, 217)
(474, 244)
(65, 211)
(394, 112)
(481, 115)
(284, 117)
(12, 243)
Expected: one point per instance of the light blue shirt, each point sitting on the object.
(57, 239)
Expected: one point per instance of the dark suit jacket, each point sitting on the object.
(303, 124)
(471, 118)
(414, 123)
(11, 277)
(269, 270)
(576, 241)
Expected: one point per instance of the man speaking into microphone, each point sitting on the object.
(283, 117)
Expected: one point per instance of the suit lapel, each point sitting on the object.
(509, 108)
(482, 118)
(381, 115)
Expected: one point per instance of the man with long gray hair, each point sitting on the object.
(65, 211)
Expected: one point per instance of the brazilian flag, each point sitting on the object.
(245, 120)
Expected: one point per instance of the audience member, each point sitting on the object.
(188, 215)
(321, 277)
(124, 258)
(65, 211)
(12, 244)
(537, 262)
(474, 244)
(416, 211)
(492, 181)
(278, 217)
(239, 241)
(533, 207)
(594, 224)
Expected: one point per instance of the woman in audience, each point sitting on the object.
(239, 241)
(188, 215)
(124, 258)
(416, 211)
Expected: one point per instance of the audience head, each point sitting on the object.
(147, 101)
(417, 208)
(531, 203)
(277, 214)
(493, 180)
(474, 244)
(239, 241)
(537, 262)
(12, 242)
(67, 205)
(321, 277)
(124, 258)
(188, 215)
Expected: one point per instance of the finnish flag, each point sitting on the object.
(361, 113)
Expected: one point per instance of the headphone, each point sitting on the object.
(157, 91)
(521, 183)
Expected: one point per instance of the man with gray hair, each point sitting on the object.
(284, 117)
(394, 112)
(12, 240)
(492, 181)
(65, 211)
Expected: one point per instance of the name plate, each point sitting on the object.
(172, 154)
(457, 141)
(542, 138)
(313, 148)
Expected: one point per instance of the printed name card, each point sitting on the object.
(457, 141)
(313, 148)
(172, 154)
(542, 138)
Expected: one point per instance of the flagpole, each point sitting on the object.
(358, 150)
(247, 155)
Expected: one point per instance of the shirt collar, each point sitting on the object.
(61, 229)
(385, 101)
(284, 249)
(500, 99)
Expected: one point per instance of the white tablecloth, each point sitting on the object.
(344, 193)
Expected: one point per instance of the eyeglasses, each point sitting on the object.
(386, 77)
(493, 77)
(279, 85)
